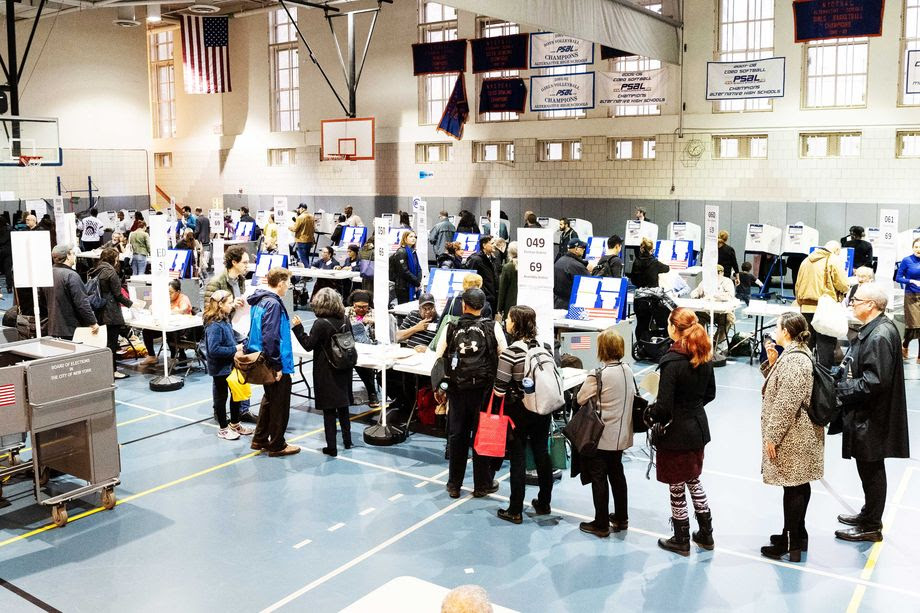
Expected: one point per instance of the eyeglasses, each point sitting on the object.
(855, 301)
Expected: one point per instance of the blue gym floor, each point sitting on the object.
(205, 524)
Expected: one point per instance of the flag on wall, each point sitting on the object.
(205, 54)
(456, 112)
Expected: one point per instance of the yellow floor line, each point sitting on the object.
(26, 535)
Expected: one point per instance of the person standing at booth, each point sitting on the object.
(566, 268)
(483, 264)
(646, 267)
(441, 234)
(68, 304)
(566, 235)
(821, 274)
(304, 230)
(727, 258)
(862, 249)
(405, 270)
(909, 276)
(110, 314)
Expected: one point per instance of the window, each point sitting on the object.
(488, 28)
(829, 145)
(835, 72)
(281, 157)
(559, 150)
(568, 114)
(437, 23)
(493, 152)
(746, 147)
(630, 148)
(910, 41)
(637, 63)
(285, 73)
(432, 153)
(163, 83)
(162, 160)
(908, 144)
(745, 33)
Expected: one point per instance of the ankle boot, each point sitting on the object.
(776, 539)
(779, 545)
(680, 542)
(795, 546)
(703, 537)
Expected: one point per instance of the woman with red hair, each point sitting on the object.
(687, 384)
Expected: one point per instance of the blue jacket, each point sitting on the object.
(270, 331)
(221, 345)
(909, 269)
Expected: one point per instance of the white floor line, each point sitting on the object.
(336, 527)
(738, 387)
(422, 484)
(366, 511)
(441, 474)
(165, 414)
(302, 543)
(395, 497)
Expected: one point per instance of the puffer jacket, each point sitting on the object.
(821, 274)
(270, 331)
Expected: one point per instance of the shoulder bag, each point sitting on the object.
(639, 407)
(585, 428)
(253, 368)
(342, 353)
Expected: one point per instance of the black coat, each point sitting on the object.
(483, 266)
(401, 276)
(728, 260)
(110, 288)
(330, 386)
(564, 271)
(564, 237)
(862, 252)
(683, 392)
(446, 260)
(874, 400)
(68, 305)
(645, 270)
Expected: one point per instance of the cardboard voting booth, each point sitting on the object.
(873, 235)
(597, 298)
(469, 243)
(179, 263)
(582, 227)
(677, 254)
(265, 262)
(394, 237)
(762, 238)
(444, 284)
(684, 230)
(637, 230)
(353, 235)
(799, 238)
(597, 247)
(244, 230)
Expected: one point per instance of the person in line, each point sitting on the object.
(189, 244)
(508, 282)
(360, 316)
(189, 221)
(46, 224)
(270, 235)
(121, 224)
(138, 218)
(405, 221)
(179, 304)
(32, 224)
(727, 258)
(521, 326)
(441, 234)
(68, 304)
(502, 227)
(91, 227)
(641, 215)
(686, 386)
(530, 220)
(792, 445)
(499, 256)
(304, 229)
(618, 388)
(566, 268)
(610, 264)
(862, 249)
(331, 386)
(874, 410)
(336, 237)
(270, 333)
(647, 267)
(821, 274)
(566, 235)
(405, 269)
(245, 217)
(110, 314)
(6, 250)
(483, 264)
(472, 369)
(455, 306)
(19, 224)
(746, 280)
(909, 275)
(467, 223)
(450, 259)
(203, 236)
(351, 219)
(221, 347)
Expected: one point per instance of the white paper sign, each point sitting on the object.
(562, 92)
(912, 79)
(382, 275)
(886, 247)
(282, 221)
(32, 264)
(216, 217)
(637, 87)
(159, 267)
(535, 277)
(711, 249)
(741, 80)
(60, 230)
(420, 212)
(549, 49)
(495, 218)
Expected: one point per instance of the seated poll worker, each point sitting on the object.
(326, 261)
(417, 330)
(179, 304)
(566, 268)
(724, 292)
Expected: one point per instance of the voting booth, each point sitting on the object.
(469, 243)
(582, 227)
(353, 235)
(595, 298)
(265, 262)
(873, 236)
(444, 284)
(179, 263)
(684, 230)
(637, 230)
(597, 247)
(799, 238)
(244, 230)
(677, 254)
(761, 238)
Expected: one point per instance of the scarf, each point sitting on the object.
(414, 268)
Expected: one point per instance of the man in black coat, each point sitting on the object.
(203, 236)
(611, 264)
(874, 410)
(483, 264)
(565, 270)
(68, 304)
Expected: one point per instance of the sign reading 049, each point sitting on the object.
(535, 258)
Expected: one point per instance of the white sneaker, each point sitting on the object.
(241, 429)
(228, 434)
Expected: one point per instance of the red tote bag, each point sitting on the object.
(492, 433)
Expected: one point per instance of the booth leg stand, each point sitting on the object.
(718, 359)
(36, 313)
(168, 382)
(383, 434)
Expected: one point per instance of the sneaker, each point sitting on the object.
(241, 430)
(228, 434)
(289, 450)
(120, 375)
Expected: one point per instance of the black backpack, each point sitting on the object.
(342, 353)
(471, 358)
(823, 407)
(602, 268)
(94, 293)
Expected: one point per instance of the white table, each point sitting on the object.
(406, 595)
(174, 323)
(317, 273)
(405, 308)
(589, 325)
(96, 253)
(761, 310)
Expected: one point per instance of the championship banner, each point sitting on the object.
(500, 53)
(636, 87)
(432, 58)
(456, 112)
(562, 92)
(822, 19)
(912, 79)
(743, 80)
(548, 49)
(503, 95)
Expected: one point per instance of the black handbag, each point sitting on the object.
(639, 407)
(585, 428)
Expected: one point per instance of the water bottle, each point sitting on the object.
(528, 385)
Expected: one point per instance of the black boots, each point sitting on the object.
(680, 542)
(785, 543)
(776, 539)
(703, 537)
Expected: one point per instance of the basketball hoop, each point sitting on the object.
(339, 156)
(30, 160)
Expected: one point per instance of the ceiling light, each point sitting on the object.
(153, 13)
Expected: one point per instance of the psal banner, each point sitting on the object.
(912, 78)
(634, 87)
(562, 92)
(548, 49)
(752, 79)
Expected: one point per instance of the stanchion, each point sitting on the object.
(383, 434)
(168, 382)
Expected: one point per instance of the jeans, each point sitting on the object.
(221, 391)
(463, 418)
(274, 413)
(875, 488)
(138, 264)
(530, 429)
(329, 417)
(603, 467)
(824, 346)
(303, 252)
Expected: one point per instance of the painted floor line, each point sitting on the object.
(335, 527)
(395, 497)
(367, 511)
(302, 543)
(164, 413)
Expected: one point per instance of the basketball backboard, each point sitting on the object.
(26, 141)
(348, 139)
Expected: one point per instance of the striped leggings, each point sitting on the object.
(679, 499)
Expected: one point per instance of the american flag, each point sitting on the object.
(581, 342)
(585, 313)
(205, 54)
(7, 394)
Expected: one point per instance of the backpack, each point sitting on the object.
(822, 408)
(540, 367)
(342, 353)
(472, 353)
(94, 293)
(602, 269)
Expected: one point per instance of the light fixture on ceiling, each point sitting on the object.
(153, 13)
(203, 9)
(125, 18)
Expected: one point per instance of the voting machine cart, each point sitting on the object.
(61, 394)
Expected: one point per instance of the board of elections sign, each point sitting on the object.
(912, 78)
(562, 92)
(548, 49)
(742, 80)
(636, 87)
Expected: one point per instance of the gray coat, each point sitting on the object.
(68, 305)
(617, 393)
(110, 288)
